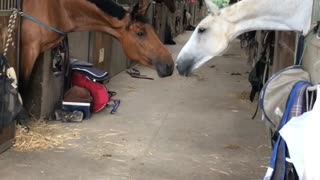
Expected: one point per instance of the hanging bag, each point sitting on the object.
(276, 91)
(10, 106)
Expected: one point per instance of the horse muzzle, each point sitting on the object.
(164, 70)
(185, 66)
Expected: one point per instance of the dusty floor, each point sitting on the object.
(167, 129)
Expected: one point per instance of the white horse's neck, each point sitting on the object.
(248, 15)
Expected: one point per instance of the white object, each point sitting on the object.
(302, 138)
(11, 73)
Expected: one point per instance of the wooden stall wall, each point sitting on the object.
(79, 45)
(7, 132)
(178, 17)
(160, 12)
(285, 50)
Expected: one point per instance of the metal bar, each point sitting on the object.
(9, 4)
(5, 13)
(19, 4)
(313, 88)
(4, 5)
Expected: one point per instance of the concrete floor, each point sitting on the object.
(176, 128)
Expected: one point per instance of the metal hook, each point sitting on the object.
(311, 90)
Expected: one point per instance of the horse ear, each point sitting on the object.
(213, 8)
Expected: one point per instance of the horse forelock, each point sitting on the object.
(111, 8)
(141, 19)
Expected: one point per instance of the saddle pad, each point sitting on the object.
(77, 62)
(91, 72)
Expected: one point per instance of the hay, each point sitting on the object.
(43, 136)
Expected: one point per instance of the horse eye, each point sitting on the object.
(140, 33)
(202, 30)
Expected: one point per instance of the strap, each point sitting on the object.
(112, 93)
(290, 102)
(41, 23)
(66, 66)
(3, 104)
(273, 159)
(115, 106)
(316, 105)
(256, 112)
(4, 64)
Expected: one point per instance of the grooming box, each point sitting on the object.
(78, 106)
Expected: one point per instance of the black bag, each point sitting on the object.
(10, 104)
(257, 77)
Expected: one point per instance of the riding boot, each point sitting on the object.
(168, 39)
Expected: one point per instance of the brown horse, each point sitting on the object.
(137, 37)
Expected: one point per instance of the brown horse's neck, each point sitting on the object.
(75, 15)
(83, 15)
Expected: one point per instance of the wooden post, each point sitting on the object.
(7, 132)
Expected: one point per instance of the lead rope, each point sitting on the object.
(9, 71)
(12, 23)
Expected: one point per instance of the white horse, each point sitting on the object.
(214, 33)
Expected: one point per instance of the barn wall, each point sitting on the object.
(7, 134)
(79, 45)
(285, 50)
(311, 61)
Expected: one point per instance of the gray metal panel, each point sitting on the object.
(79, 45)
(316, 11)
(311, 61)
(8, 4)
(118, 60)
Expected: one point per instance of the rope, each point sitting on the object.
(41, 23)
(12, 23)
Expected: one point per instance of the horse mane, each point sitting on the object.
(111, 8)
